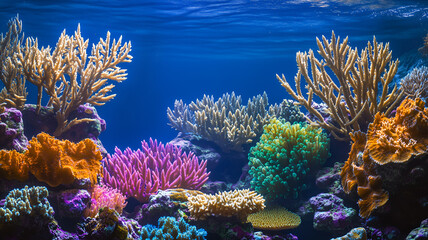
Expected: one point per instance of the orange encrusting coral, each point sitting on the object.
(13, 165)
(359, 170)
(397, 139)
(61, 162)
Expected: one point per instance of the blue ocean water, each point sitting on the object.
(185, 49)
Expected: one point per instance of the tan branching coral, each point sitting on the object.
(239, 203)
(72, 78)
(14, 93)
(225, 121)
(363, 84)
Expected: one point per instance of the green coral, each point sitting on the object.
(285, 156)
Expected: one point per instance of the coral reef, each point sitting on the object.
(284, 158)
(103, 196)
(354, 102)
(61, 162)
(13, 165)
(419, 233)
(141, 173)
(73, 202)
(415, 83)
(171, 229)
(277, 218)
(12, 130)
(239, 203)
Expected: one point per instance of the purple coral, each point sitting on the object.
(143, 172)
(12, 130)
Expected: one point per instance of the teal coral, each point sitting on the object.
(170, 229)
(285, 155)
(26, 202)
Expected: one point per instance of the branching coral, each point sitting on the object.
(225, 121)
(285, 155)
(141, 173)
(61, 162)
(239, 203)
(68, 77)
(14, 93)
(353, 102)
(415, 83)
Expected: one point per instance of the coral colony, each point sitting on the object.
(60, 183)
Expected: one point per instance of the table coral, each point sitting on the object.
(61, 162)
(285, 156)
(239, 203)
(143, 172)
(274, 219)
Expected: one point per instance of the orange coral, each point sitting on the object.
(359, 170)
(397, 139)
(13, 165)
(60, 162)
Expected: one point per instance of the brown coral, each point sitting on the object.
(13, 165)
(397, 139)
(277, 218)
(359, 170)
(61, 162)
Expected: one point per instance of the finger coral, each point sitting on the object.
(61, 162)
(239, 203)
(397, 139)
(156, 166)
(285, 156)
(353, 102)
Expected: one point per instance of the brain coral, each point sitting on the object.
(285, 155)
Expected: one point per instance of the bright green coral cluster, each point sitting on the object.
(285, 155)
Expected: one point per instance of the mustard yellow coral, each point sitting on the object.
(277, 218)
(239, 203)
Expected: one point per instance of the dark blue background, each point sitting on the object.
(185, 49)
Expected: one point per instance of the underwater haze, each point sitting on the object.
(185, 49)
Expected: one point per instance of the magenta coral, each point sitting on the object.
(143, 172)
(103, 196)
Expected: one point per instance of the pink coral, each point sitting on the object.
(143, 172)
(103, 196)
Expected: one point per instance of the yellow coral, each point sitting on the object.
(277, 218)
(239, 203)
(13, 165)
(61, 162)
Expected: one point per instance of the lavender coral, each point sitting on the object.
(143, 172)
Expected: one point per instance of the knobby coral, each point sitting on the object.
(353, 102)
(285, 156)
(396, 139)
(156, 166)
(53, 161)
(239, 203)
(171, 229)
(359, 170)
